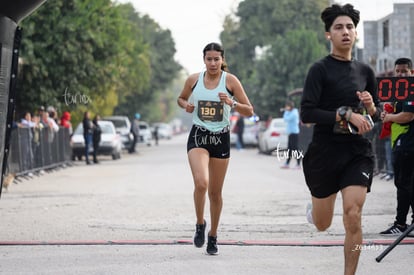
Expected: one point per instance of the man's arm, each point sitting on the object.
(400, 118)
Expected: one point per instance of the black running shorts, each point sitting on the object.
(216, 143)
(330, 167)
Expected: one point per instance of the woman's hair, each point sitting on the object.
(329, 15)
(218, 48)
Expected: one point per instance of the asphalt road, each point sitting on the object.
(136, 216)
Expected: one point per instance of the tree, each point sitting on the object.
(270, 45)
(67, 52)
(154, 99)
(94, 55)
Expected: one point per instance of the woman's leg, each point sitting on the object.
(199, 164)
(217, 169)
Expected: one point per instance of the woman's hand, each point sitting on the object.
(189, 108)
(225, 98)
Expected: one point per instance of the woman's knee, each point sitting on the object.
(200, 185)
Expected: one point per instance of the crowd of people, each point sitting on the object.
(43, 124)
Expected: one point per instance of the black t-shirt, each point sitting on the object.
(330, 84)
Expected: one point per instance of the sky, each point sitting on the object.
(195, 23)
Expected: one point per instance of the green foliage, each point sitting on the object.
(270, 45)
(93, 55)
(163, 69)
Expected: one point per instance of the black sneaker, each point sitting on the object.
(394, 230)
(199, 237)
(212, 246)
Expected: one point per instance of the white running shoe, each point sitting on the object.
(309, 213)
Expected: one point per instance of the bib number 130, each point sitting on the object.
(210, 110)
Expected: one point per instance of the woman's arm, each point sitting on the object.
(243, 105)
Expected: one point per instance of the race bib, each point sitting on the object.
(210, 110)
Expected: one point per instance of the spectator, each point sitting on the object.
(291, 117)
(26, 141)
(134, 132)
(87, 134)
(156, 134)
(51, 125)
(239, 131)
(65, 121)
(53, 114)
(402, 142)
(96, 137)
(37, 135)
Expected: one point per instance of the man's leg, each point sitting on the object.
(403, 167)
(353, 201)
(322, 211)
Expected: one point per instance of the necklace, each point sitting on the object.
(340, 57)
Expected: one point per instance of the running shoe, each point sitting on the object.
(285, 166)
(394, 230)
(199, 236)
(309, 213)
(212, 248)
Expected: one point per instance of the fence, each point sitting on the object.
(33, 149)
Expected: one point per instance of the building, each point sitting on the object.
(389, 38)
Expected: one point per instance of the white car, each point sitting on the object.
(251, 128)
(145, 134)
(273, 137)
(110, 143)
(164, 130)
(123, 128)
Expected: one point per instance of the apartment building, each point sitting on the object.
(389, 38)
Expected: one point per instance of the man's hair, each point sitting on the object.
(329, 15)
(404, 61)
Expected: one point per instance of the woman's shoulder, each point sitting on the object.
(231, 78)
(192, 80)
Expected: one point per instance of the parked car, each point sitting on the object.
(123, 128)
(251, 128)
(110, 144)
(145, 134)
(164, 130)
(273, 136)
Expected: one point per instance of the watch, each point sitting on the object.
(342, 112)
(234, 104)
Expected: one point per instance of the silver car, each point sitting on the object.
(110, 143)
(272, 136)
(145, 134)
(123, 128)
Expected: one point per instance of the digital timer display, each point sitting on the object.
(395, 88)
